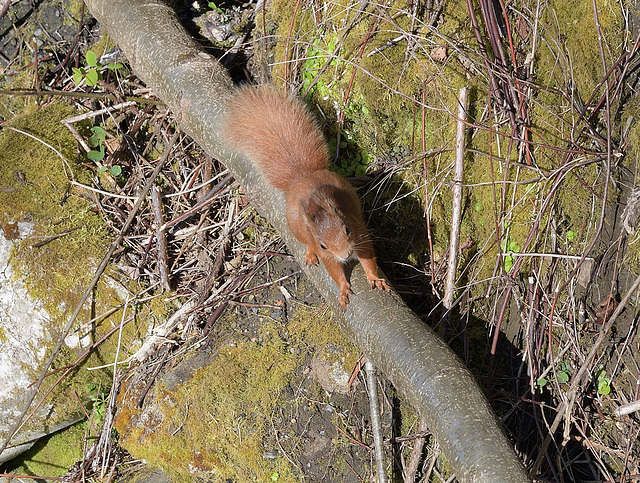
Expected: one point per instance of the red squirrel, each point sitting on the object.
(280, 136)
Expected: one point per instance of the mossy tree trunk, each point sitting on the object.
(415, 359)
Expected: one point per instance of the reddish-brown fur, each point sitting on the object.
(277, 133)
(323, 210)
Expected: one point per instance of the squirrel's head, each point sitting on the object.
(328, 223)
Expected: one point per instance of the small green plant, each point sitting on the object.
(115, 170)
(563, 372)
(99, 399)
(215, 8)
(509, 247)
(96, 140)
(316, 58)
(91, 74)
(353, 160)
(604, 382)
(562, 375)
(571, 235)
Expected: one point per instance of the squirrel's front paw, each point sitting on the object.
(311, 258)
(343, 298)
(380, 284)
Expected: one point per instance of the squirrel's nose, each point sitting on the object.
(345, 255)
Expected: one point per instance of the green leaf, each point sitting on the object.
(92, 77)
(91, 58)
(213, 6)
(563, 377)
(542, 382)
(604, 388)
(116, 170)
(514, 247)
(97, 138)
(604, 382)
(306, 83)
(94, 155)
(103, 169)
(508, 263)
(78, 75)
(99, 133)
(571, 235)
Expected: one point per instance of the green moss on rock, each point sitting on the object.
(216, 425)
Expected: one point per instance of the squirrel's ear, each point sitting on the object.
(332, 205)
(327, 197)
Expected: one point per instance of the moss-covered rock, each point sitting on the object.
(221, 421)
(37, 162)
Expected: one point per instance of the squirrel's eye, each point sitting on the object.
(323, 246)
(347, 230)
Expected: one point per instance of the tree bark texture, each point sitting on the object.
(420, 365)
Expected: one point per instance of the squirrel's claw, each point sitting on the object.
(380, 284)
(343, 298)
(311, 258)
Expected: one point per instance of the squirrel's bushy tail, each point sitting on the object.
(276, 132)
